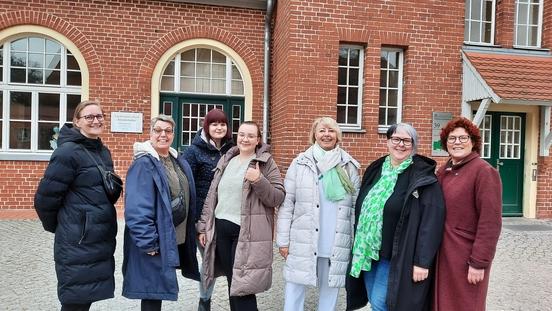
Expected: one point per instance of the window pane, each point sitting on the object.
(383, 98)
(391, 116)
(53, 61)
(20, 105)
(341, 113)
(394, 79)
(353, 96)
(20, 135)
(52, 77)
(47, 135)
(353, 77)
(218, 57)
(341, 96)
(488, 11)
(382, 116)
(533, 36)
(476, 10)
(48, 107)
(534, 16)
(203, 55)
(36, 45)
(487, 32)
(218, 86)
(393, 99)
(522, 14)
(53, 47)
(19, 59)
(167, 84)
(19, 45)
(17, 75)
(188, 55)
(35, 76)
(352, 115)
(72, 102)
(203, 85)
(354, 57)
(169, 71)
(72, 63)
(343, 54)
(219, 71)
(466, 31)
(236, 75)
(383, 78)
(383, 59)
(521, 35)
(73, 78)
(203, 70)
(393, 59)
(36, 60)
(342, 76)
(187, 84)
(237, 87)
(187, 69)
(475, 32)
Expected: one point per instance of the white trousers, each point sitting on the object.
(327, 296)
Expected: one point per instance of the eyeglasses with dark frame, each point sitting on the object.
(158, 130)
(90, 117)
(407, 142)
(462, 138)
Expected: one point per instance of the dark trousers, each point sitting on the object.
(150, 305)
(75, 306)
(227, 239)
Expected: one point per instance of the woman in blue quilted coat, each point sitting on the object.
(209, 144)
(72, 203)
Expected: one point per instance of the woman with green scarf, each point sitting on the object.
(400, 216)
(315, 223)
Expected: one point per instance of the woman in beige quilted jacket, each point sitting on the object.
(237, 221)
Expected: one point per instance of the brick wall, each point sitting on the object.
(430, 33)
(121, 42)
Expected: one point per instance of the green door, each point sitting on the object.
(503, 136)
(188, 112)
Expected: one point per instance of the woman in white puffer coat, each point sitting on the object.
(315, 223)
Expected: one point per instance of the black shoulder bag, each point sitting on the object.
(113, 184)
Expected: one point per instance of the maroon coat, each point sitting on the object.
(473, 197)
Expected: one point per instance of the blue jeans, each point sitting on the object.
(375, 281)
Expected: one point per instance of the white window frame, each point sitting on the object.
(468, 20)
(356, 125)
(177, 75)
(527, 26)
(382, 128)
(7, 87)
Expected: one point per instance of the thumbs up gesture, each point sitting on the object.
(253, 174)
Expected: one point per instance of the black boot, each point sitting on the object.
(204, 305)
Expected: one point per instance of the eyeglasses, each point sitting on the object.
(90, 117)
(407, 142)
(158, 130)
(243, 135)
(461, 138)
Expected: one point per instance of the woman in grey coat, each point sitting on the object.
(315, 223)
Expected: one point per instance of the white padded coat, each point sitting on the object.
(299, 218)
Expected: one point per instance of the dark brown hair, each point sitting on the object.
(259, 134)
(470, 128)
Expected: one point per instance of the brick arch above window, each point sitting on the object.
(16, 22)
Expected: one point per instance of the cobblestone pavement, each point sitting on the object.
(520, 278)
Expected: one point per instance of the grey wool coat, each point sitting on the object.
(252, 271)
(299, 220)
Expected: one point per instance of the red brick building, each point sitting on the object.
(368, 64)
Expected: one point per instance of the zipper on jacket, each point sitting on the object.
(83, 232)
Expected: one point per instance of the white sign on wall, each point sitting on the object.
(126, 122)
(440, 120)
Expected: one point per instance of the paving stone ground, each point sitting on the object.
(521, 278)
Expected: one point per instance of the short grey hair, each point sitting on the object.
(164, 118)
(409, 129)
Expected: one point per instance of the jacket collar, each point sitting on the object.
(307, 158)
(144, 148)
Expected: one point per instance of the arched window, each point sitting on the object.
(40, 86)
(196, 81)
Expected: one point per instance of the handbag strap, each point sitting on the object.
(92, 157)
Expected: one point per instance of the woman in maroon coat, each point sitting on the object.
(473, 197)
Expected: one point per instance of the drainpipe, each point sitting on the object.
(266, 80)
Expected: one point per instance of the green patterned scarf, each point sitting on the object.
(368, 234)
(334, 178)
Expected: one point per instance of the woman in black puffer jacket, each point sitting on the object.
(209, 144)
(72, 203)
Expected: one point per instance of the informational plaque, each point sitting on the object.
(126, 122)
(440, 120)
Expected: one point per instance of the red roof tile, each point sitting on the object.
(515, 77)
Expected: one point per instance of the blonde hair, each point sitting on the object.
(330, 122)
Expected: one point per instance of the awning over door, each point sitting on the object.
(502, 78)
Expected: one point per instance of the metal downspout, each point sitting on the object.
(266, 80)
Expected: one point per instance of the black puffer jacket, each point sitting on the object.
(71, 202)
(203, 158)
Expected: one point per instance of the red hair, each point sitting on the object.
(470, 128)
(215, 115)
